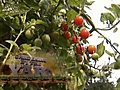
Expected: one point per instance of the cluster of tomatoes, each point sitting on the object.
(76, 38)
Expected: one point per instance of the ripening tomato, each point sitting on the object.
(79, 58)
(84, 34)
(67, 35)
(91, 49)
(80, 49)
(75, 39)
(64, 26)
(78, 21)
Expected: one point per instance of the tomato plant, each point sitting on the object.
(58, 30)
(84, 34)
(78, 21)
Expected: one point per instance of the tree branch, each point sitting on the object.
(106, 29)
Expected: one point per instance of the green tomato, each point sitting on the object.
(46, 38)
(95, 56)
(29, 34)
(55, 35)
(38, 42)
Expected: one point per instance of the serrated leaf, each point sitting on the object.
(109, 53)
(115, 30)
(116, 44)
(13, 9)
(107, 17)
(75, 2)
(100, 49)
(114, 9)
(71, 15)
(12, 42)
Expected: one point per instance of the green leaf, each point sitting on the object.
(26, 47)
(23, 85)
(32, 4)
(1, 51)
(12, 42)
(42, 23)
(62, 42)
(100, 37)
(118, 85)
(64, 53)
(35, 48)
(82, 77)
(75, 2)
(71, 15)
(114, 9)
(33, 86)
(89, 3)
(107, 17)
(4, 46)
(109, 53)
(115, 30)
(18, 87)
(116, 44)
(100, 49)
(13, 9)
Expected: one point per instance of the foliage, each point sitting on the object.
(24, 21)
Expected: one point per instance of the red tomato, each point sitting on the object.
(91, 49)
(80, 49)
(84, 34)
(64, 26)
(75, 39)
(67, 35)
(78, 21)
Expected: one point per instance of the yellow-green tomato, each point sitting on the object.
(29, 34)
(95, 56)
(38, 42)
(46, 38)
